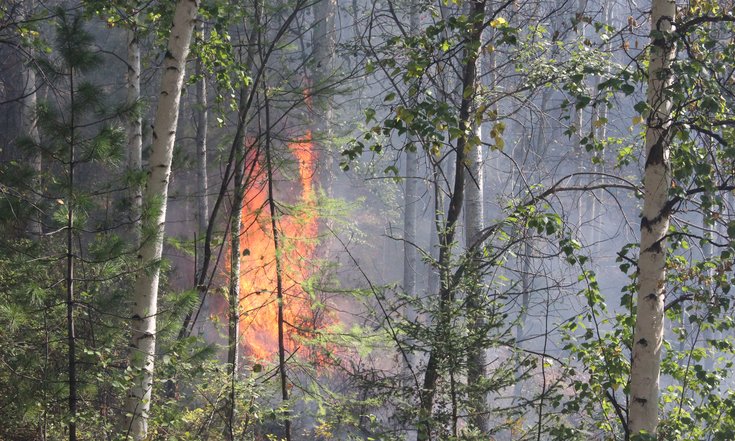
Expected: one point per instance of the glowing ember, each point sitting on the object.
(297, 232)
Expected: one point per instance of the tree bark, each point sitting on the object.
(410, 201)
(410, 256)
(280, 299)
(134, 129)
(145, 297)
(70, 296)
(474, 224)
(324, 44)
(233, 335)
(649, 325)
(243, 158)
(446, 237)
(201, 145)
(526, 286)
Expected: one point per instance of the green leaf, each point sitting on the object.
(582, 102)
(641, 107)
(731, 230)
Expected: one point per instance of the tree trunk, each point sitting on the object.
(201, 146)
(280, 299)
(707, 255)
(324, 44)
(410, 256)
(581, 27)
(649, 325)
(135, 130)
(474, 224)
(599, 129)
(70, 296)
(233, 336)
(446, 237)
(433, 276)
(410, 201)
(526, 286)
(243, 158)
(145, 300)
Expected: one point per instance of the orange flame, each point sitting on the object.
(297, 230)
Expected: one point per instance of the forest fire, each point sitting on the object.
(297, 231)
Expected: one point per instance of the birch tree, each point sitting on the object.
(233, 322)
(446, 239)
(201, 152)
(410, 203)
(134, 125)
(145, 296)
(649, 325)
(474, 224)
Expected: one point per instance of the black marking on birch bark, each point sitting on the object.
(136, 317)
(655, 247)
(146, 335)
(641, 401)
(169, 55)
(643, 342)
(660, 217)
(172, 68)
(645, 223)
(656, 154)
(651, 296)
(155, 135)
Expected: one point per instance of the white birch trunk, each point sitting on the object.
(526, 286)
(707, 254)
(145, 301)
(201, 146)
(581, 27)
(474, 196)
(433, 276)
(134, 129)
(649, 326)
(474, 224)
(233, 334)
(410, 201)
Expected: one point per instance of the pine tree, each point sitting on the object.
(74, 130)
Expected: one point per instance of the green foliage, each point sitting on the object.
(32, 273)
(584, 394)
(695, 364)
